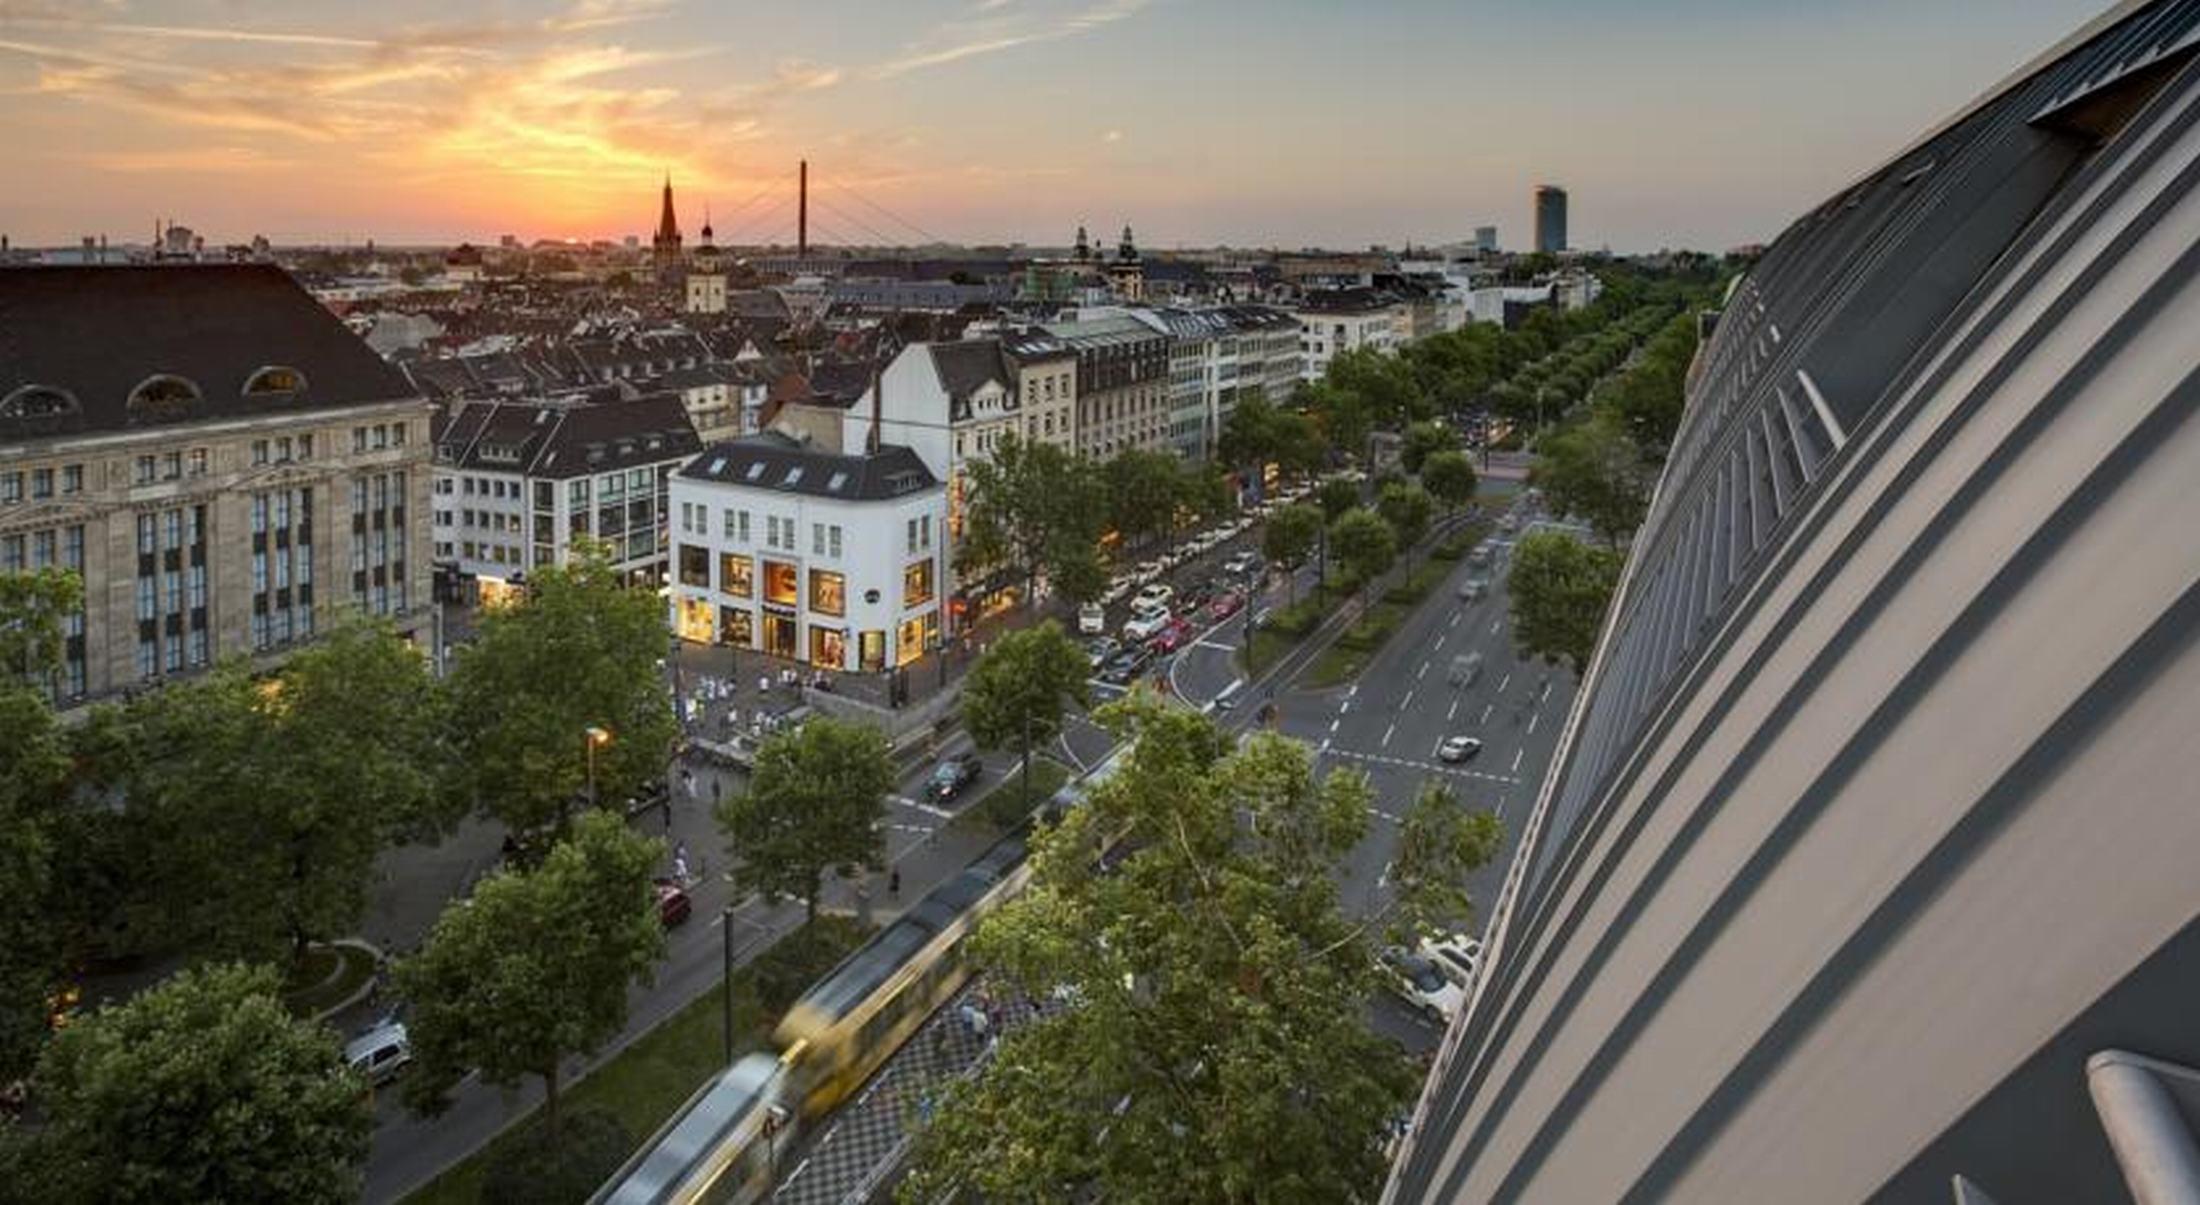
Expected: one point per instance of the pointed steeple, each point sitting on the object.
(666, 244)
(1084, 245)
(1128, 252)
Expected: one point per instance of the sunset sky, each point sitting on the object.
(1250, 122)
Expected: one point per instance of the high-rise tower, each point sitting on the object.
(1550, 218)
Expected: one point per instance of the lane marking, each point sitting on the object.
(1455, 619)
(1387, 734)
(1383, 880)
(1441, 637)
(1487, 708)
(1333, 726)
(1422, 766)
(1532, 719)
(1454, 712)
(1494, 624)
(1516, 758)
(926, 808)
(1352, 690)
(1546, 691)
(1343, 705)
(1504, 682)
(1421, 673)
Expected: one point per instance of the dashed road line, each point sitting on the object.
(1343, 705)
(1441, 637)
(1516, 758)
(1333, 726)
(1421, 673)
(1454, 712)
(1387, 732)
(1546, 691)
(926, 808)
(1494, 625)
(1532, 719)
(1383, 880)
(1424, 767)
(1406, 704)
(1454, 619)
(1215, 644)
(1504, 682)
(1487, 708)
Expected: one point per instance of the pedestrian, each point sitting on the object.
(763, 684)
(893, 882)
(715, 786)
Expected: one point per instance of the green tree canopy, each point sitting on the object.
(1031, 508)
(1449, 478)
(1248, 437)
(534, 967)
(1364, 543)
(1423, 440)
(1289, 539)
(1560, 588)
(580, 651)
(33, 606)
(816, 802)
(1144, 489)
(1337, 496)
(257, 808)
(33, 767)
(1016, 695)
(1594, 470)
(1219, 992)
(203, 1088)
(1407, 508)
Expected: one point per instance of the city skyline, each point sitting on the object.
(1698, 125)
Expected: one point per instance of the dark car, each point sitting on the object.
(1125, 666)
(673, 905)
(952, 775)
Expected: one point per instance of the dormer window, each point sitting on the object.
(162, 398)
(37, 401)
(275, 379)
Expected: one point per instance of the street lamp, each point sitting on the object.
(594, 737)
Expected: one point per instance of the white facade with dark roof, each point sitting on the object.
(1865, 866)
(1334, 321)
(834, 560)
(517, 482)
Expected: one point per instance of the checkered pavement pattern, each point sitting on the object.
(850, 1155)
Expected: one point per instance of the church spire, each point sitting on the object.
(667, 242)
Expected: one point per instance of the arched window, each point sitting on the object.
(37, 401)
(162, 398)
(276, 378)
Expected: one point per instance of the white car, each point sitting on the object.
(1458, 749)
(1240, 563)
(380, 1053)
(1092, 619)
(1456, 956)
(1149, 569)
(1155, 594)
(1417, 981)
(1143, 627)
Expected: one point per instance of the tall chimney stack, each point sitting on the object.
(802, 214)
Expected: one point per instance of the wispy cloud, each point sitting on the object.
(996, 30)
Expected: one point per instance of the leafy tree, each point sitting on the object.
(1560, 588)
(1407, 508)
(580, 651)
(1365, 543)
(33, 606)
(1437, 837)
(1449, 477)
(1594, 470)
(1289, 539)
(1337, 496)
(204, 1088)
(1030, 508)
(1343, 415)
(1143, 491)
(258, 808)
(1248, 437)
(1219, 992)
(1017, 693)
(1381, 387)
(33, 765)
(1423, 440)
(534, 967)
(816, 801)
(1298, 445)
